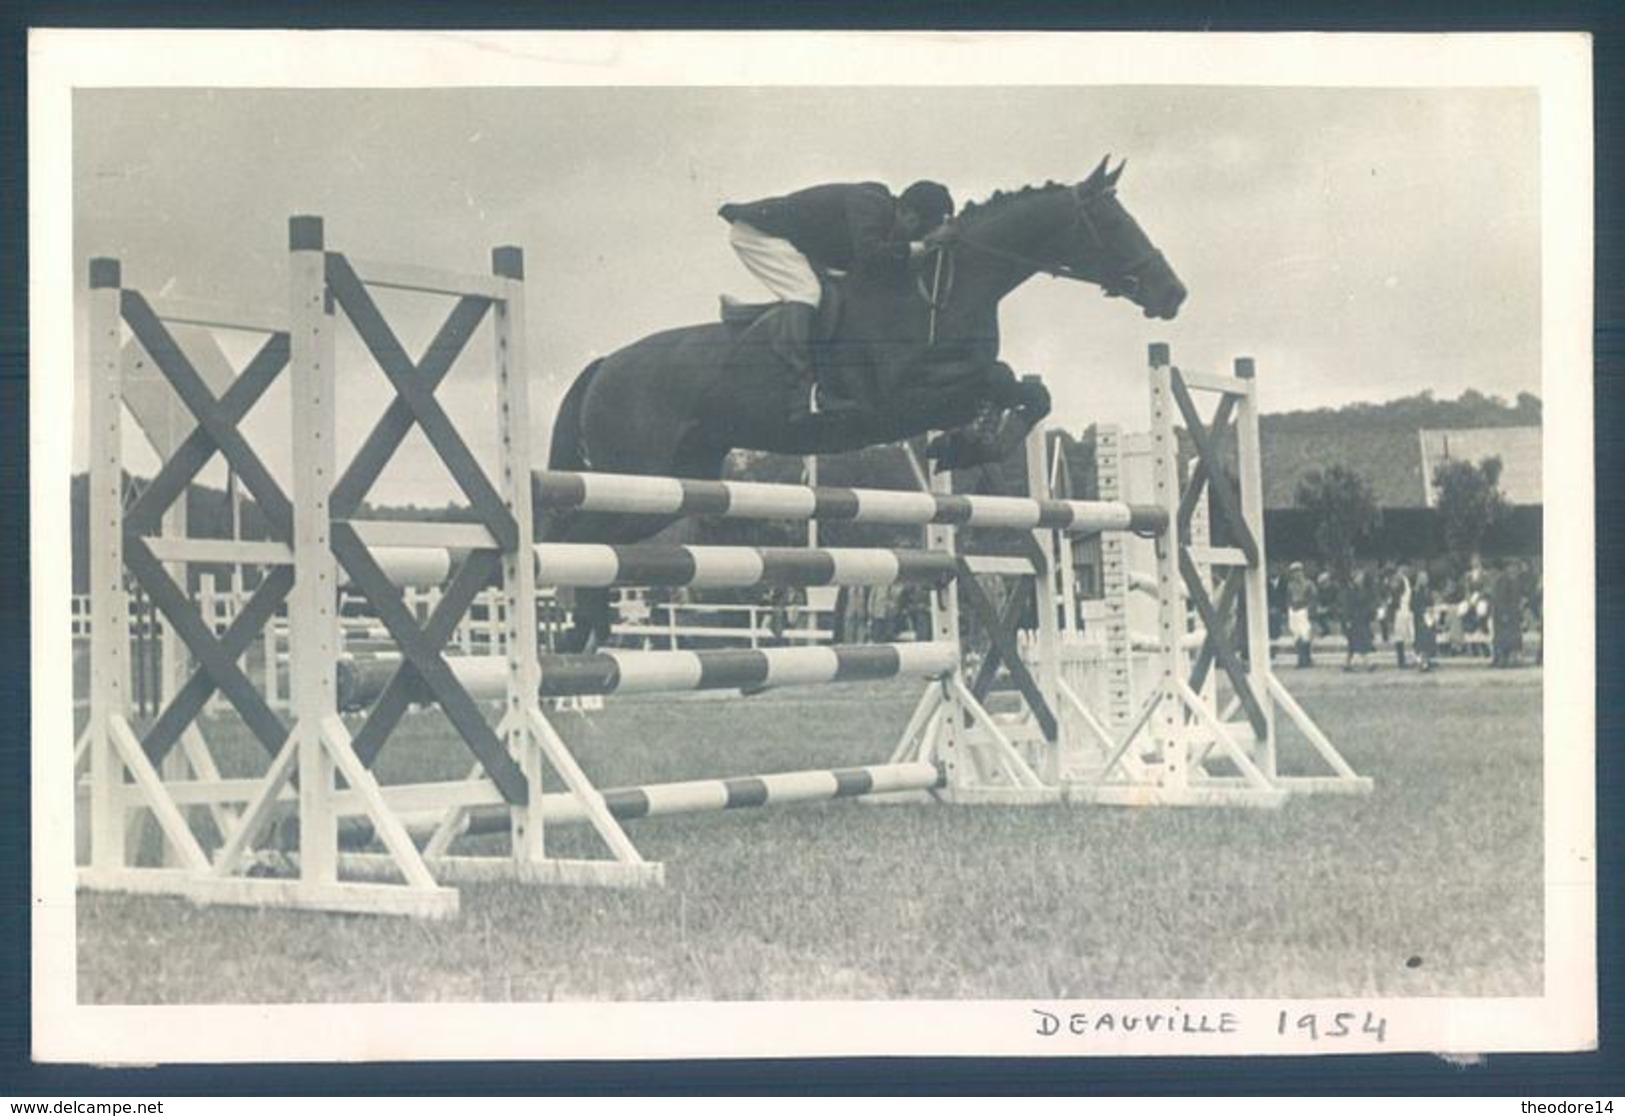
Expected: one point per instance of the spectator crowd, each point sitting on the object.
(1408, 609)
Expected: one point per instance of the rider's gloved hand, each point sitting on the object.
(932, 242)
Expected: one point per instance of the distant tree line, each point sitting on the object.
(1345, 518)
(1335, 502)
(1413, 412)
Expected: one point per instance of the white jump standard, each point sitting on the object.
(317, 540)
(1174, 749)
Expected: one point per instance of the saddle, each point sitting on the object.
(836, 387)
(741, 316)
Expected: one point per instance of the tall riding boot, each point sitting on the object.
(793, 344)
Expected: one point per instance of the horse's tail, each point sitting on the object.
(589, 608)
(568, 449)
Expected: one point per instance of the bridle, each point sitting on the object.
(1126, 283)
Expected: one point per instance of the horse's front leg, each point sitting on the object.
(1007, 408)
(1002, 390)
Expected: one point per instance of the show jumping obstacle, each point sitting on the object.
(1172, 744)
(1174, 749)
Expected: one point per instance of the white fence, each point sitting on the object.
(672, 625)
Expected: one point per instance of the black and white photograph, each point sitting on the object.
(669, 545)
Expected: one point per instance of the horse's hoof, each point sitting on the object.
(946, 451)
(1034, 401)
(984, 443)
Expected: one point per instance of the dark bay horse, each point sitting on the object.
(921, 353)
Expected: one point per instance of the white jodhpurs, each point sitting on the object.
(777, 263)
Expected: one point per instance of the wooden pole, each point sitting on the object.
(518, 566)
(1055, 549)
(313, 647)
(1250, 466)
(1169, 718)
(110, 602)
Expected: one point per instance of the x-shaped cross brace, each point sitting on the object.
(1208, 464)
(424, 671)
(217, 431)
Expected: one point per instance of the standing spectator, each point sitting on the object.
(1326, 602)
(1476, 617)
(1359, 611)
(1244, 652)
(1275, 591)
(1300, 604)
(778, 601)
(1537, 616)
(884, 616)
(905, 605)
(1506, 617)
(1385, 612)
(1451, 617)
(1399, 606)
(1427, 644)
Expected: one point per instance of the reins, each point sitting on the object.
(937, 297)
(942, 281)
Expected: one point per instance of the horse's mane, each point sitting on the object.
(1001, 199)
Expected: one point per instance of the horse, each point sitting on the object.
(919, 353)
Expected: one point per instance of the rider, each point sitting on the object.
(848, 227)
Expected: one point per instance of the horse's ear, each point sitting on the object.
(1111, 179)
(1097, 177)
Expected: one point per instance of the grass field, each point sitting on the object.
(1430, 886)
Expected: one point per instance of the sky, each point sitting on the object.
(1360, 244)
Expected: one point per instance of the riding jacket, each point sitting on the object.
(839, 226)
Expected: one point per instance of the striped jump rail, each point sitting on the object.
(592, 565)
(697, 797)
(668, 496)
(485, 677)
(711, 795)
